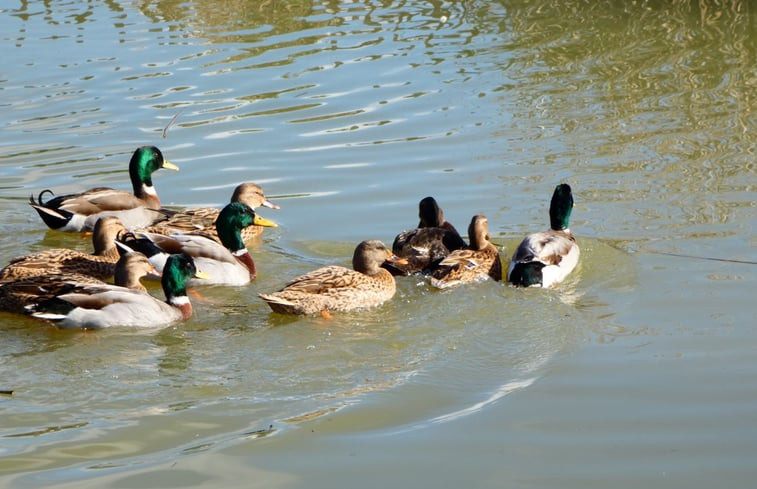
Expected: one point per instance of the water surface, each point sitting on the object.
(637, 370)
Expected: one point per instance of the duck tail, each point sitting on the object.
(527, 274)
(279, 304)
(54, 218)
(39, 197)
(130, 241)
(52, 309)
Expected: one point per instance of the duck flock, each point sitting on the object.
(135, 237)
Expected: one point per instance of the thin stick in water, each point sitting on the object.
(727, 260)
(173, 119)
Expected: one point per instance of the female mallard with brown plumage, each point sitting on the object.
(479, 260)
(426, 245)
(336, 288)
(544, 259)
(202, 220)
(17, 294)
(69, 303)
(80, 212)
(62, 260)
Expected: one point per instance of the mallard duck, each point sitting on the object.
(479, 260)
(79, 212)
(94, 306)
(228, 263)
(544, 259)
(62, 260)
(202, 219)
(16, 295)
(336, 288)
(426, 245)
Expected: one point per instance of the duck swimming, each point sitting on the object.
(545, 258)
(57, 296)
(229, 263)
(479, 260)
(425, 246)
(80, 212)
(337, 288)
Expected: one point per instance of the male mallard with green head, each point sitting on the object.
(228, 263)
(70, 303)
(544, 259)
(81, 301)
(80, 212)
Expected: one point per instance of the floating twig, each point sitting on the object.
(259, 433)
(173, 119)
(727, 260)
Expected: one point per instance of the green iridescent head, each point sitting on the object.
(144, 162)
(232, 219)
(178, 270)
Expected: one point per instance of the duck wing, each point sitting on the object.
(548, 247)
(326, 279)
(195, 245)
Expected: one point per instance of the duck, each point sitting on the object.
(545, 258)
(228, 263)
(79, 212)
(20, 293)
(425, 246)
(201, 220)
(100, 264)
(477, 261)
(103, 306)
(336, 288)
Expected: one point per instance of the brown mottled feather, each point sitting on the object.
(548, 247)
(426, 245)
(202, 220)
(16, 294)
(61, 260)
(336, 288)
(481, 259)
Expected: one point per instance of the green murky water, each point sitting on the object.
(636, 371)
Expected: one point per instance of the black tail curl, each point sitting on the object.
(39, 197)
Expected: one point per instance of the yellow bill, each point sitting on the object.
(261, 221)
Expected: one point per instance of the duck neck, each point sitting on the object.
(105, 246)
(477, 242)
(182, 303)
(148, 194)
(126, 278)
(244, 257)
(559, 221)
